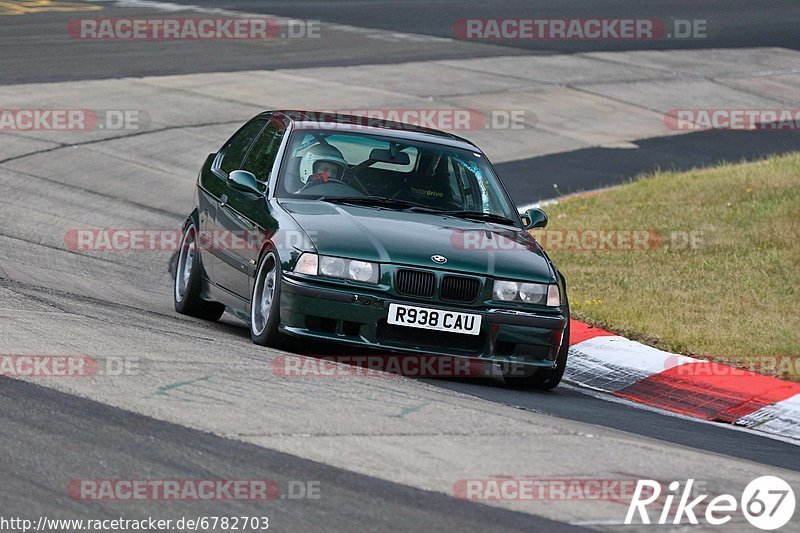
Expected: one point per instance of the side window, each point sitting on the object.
(456, 187)
(466, 183)
(236, 149)
(262, 155)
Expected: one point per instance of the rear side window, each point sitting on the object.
(236, 149)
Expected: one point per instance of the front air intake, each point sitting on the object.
(415, 283)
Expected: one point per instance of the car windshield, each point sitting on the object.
(381, 170)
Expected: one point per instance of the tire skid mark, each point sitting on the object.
(126, 136)
(137, 205)
(57, 249)
(22, 288)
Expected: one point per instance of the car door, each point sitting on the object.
(219, 244)
(240, 215)
(209, 188)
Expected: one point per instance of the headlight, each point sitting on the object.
(338, 267)
(333, 267)
(533, 293)
(362, 271)
(505, 290)
(529, 293)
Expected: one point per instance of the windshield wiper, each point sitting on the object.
(480, 215)
(369, 200)
(380, 201)
(385, 201)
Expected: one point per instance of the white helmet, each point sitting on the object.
(317, 153)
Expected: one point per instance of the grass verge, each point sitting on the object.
(704, 263)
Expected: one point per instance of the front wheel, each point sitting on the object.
(265, 302)
(544, 378)
(186, 295)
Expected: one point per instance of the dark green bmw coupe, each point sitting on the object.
(374, 234)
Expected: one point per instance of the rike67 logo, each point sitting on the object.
(767, 502)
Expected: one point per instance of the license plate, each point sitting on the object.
(436, 319)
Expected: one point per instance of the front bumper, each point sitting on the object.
(356, 317)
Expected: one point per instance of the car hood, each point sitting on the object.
(409, 238)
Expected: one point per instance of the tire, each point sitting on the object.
(187, 286)
(265, 313)
(544, 378)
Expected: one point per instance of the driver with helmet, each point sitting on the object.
(321, 163)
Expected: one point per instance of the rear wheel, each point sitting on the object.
(265, 302)
(542, 378)
(186, 295)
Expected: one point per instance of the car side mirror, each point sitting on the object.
(242, 180)
(534, 218)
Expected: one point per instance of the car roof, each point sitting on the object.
(326, 120)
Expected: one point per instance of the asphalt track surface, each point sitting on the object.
(731, 23)
(70, 434)
(39, 51)
(592, 168)
(50, 437)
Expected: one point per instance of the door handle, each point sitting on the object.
(223, 200)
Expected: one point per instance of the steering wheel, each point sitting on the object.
(311, 183)
(356, 184)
